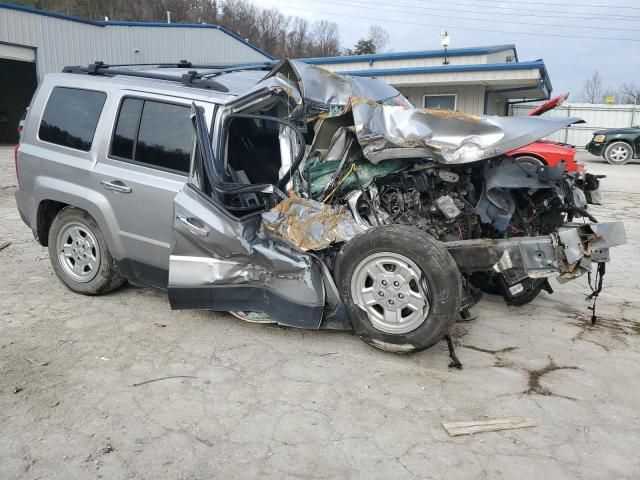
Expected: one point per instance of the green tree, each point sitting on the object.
(364, 46)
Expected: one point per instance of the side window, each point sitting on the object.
(124, 138)
(71, 116)
(154, 134)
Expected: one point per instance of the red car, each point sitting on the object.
(551, 153)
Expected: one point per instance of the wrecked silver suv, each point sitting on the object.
(300, 197)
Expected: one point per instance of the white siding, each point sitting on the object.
(470, 98)
(60, 42)
(501, 57)
(596, 117)
(405, 63)
(529, 76)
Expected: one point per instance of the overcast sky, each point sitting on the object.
(416, 25)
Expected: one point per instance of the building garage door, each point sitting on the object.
(17, 84)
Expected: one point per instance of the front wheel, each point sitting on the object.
(618, 153)
(401, 287)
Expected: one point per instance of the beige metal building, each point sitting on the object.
(473, 80)
(35, 42)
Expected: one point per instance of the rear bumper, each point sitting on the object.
(24, 206)
(596, 148)
(568, 253)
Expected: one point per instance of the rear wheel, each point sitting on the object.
(79, 254)
(618, 153)
(401, 286)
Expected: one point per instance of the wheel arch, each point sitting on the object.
(51, 195)
(47, 211)
(537, 156)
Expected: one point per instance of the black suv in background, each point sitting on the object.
(617, 145)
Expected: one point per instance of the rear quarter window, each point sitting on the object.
(71, 116)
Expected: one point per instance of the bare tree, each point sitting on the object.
(629, 93)
(298, 40)
(592, 89)
(326, 39)
(240, 17)
(268, 29)
(272, 30)
(379, 37)
(203, 11)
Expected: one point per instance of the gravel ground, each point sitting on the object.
(255, 401)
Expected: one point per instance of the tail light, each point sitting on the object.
(15, 160)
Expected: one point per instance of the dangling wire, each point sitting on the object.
(600, 271)
(352, 169)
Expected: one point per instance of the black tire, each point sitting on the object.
(107, 277)
(495, 284)
(487, 282)
(613, 155)
(531, 288)
(439, 270)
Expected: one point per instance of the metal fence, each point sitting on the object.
(596, 116)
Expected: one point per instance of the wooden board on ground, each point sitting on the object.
(468, 428)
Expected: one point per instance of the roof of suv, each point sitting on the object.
(237, 82)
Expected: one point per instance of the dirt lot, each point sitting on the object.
(264, 402)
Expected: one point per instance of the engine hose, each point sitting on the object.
(584, 213)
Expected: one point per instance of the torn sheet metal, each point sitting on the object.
(583, 244)
(309, 224)
(396, 129)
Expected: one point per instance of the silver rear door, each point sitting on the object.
(220, 263)
(141, 193)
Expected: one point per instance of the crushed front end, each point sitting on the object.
(411, 213)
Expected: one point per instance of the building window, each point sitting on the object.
(154, 134)
(441, 102)
(71, 116)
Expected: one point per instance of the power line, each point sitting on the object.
(510, 32)
(582, 5)
(346, 2)
(520, 12)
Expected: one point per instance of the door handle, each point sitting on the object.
(116, 186)
(189, 223)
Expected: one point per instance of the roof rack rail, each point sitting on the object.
(220, 66)
(192, 78)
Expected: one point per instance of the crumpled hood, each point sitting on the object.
(386, 130)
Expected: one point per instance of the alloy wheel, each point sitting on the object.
(392, 291)
(78, 252)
